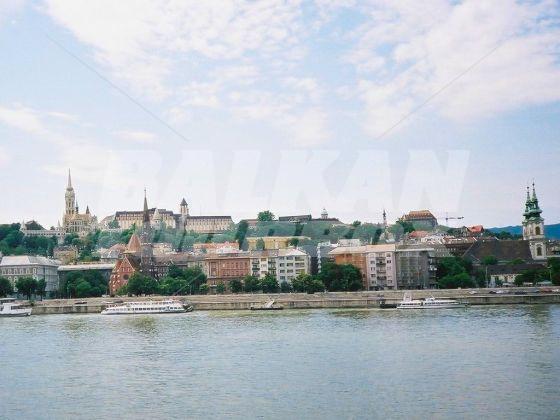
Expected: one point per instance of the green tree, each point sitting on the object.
(293, 242)
(265, 216)
(452, 265)
(241, 232)
(97, 283)
(532, 276)
(220, 288)
(298, 283)
(356, 223)
(489, 260)
(454, 281)
(6, 287)
(172, 285)
(285, 287)
(553, 266)
(269, 284)
(83, 289)
(113, 224)
(26, 286)
(70, 238)
(251, 284)
(340, 277)
(203, 289)
(123, 290)
(41, 288)
(140, 284)
(236, 286)
(306, 283)
(260, 245)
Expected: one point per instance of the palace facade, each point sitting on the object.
(162, 218)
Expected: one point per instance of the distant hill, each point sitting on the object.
(552, 231)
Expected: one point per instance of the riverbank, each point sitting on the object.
(331, 300)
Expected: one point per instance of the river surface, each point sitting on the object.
(478, 362)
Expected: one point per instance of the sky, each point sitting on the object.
(293, 106)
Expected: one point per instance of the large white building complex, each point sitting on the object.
(15, 266)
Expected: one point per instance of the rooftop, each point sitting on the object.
(12, 260)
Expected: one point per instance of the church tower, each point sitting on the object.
(184, 213)
(533, 226)
(184, 208)
(146, 249)
(70, 197)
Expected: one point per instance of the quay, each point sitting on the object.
(327, 300)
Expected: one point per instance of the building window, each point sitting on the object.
(538, 230)
(539, 251)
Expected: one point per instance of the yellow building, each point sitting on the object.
(273, 242)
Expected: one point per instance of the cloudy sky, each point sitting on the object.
(294, 106)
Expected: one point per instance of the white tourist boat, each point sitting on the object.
(145, 307)
(9, 307)
(428, 303)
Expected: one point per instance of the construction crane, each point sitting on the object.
(448, 218)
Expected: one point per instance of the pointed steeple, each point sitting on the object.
(534, 193)
(532, 209)
(69, 186)
(146, 212)
(87, 209)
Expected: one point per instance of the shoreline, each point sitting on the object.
(327, 300)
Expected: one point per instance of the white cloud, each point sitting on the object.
(143, 41)
(310, 128)
(503, 55)
(9, 8)
(249, 58)
(136, 136)
(63, 116)
(23, 118)
(5, 157)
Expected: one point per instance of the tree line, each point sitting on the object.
(26, 286)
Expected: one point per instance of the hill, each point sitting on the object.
(552, 231)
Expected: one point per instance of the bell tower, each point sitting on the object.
(533, 226)
(70, 197)
(146, 248)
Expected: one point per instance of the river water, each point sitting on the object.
(478, 362)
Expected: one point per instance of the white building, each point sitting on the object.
(14, 267)
(284, 264)
(58, 233)
(381, 267)
(290, 263)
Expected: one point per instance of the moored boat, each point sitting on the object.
(9, 307)
(146, 307)
(428, 303)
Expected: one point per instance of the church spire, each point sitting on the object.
(534, 193)
(69, 186)
(146, 212)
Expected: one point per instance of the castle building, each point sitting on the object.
(533, 226)
(73, 221)
(162, 218)
(421, 219)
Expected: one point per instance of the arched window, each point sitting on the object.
(539, 251)
(538, 230)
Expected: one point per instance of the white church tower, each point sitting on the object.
(533, 226)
